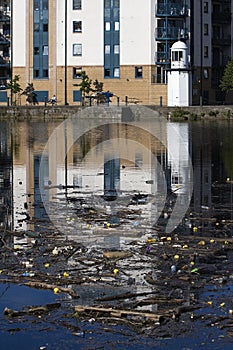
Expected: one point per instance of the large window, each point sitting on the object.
(77, 4)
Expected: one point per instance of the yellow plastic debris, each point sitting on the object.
(185, 246)
(176, 257)
(201, 243)
(56, 290)
(212, 241)
(195, 229)
(1, 271)
(65, 274)
(115, 271)
(222, 304)
(151, 240)
(209, 302)
(169, 238)
(46, 265)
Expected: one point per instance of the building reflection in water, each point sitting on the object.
(5, 178)
(132, 176)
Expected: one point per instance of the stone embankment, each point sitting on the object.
(63, 112)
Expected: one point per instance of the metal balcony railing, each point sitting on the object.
(223, 40)
(162, 57)
(171, 10)
(170, 33)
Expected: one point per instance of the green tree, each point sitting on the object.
(15, 88)
(98, 90)
(85, 85)
(226, 83)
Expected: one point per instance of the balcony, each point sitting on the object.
(171, 10)
(4, 41)
(170, 33)
(162, 58)
(222, 17)
(224, 40)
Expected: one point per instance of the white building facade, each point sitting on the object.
(123, 44)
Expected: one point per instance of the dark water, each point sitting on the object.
(183, 172)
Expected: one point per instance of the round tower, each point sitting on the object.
(178, 76)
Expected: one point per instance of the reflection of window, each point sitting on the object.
(77, 26)
(138, 160)
(77, 49)
(107, 26)
(107, 49)
(206, 29)
(45, 50)
(138, 72)
(206, 51)
(77, 72)
(116, 72)
(115, 3)
(77, 4)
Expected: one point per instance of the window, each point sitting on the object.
(36, 50)
(206, 51)
(138, 72)
(107, 72)
(77, 72)
(45, 73)
(206, 29)
(45, 27)
(107, 3)
(77, 26)
(116, 26)
(36, 73)
(206, 73)
(116, 3)
(77, 4)
(45, 5)
(206, 10)
(107, 49)
(45, 50)
(116, 49)
(107, 26)
(36, 27)
(77, 49)
(36, 5)
(116, 72)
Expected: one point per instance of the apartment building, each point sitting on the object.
(123, 44)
